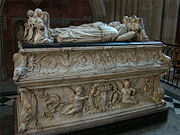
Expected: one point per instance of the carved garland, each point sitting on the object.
(95, 61)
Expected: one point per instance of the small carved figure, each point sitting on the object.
(103, 95)
(78, 102)
(115, 95)
(37, 30)
(148, 88)
(128, 93)
(28, 33)
(92, 95)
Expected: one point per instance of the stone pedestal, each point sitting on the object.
(64, 88)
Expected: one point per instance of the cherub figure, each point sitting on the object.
(128, 93)
(78, 102)
(28, 33)
(37, 28)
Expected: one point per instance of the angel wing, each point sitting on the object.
(46, 19)
(141, 22)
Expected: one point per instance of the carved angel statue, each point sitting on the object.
(37, 30)
(128, 93)
(78, 102)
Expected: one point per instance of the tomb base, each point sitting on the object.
(65, 88)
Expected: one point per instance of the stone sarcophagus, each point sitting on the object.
(68, 87)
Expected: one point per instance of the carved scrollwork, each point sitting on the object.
(28, 118)
(120, 57)
(148, 88)
(84, 59)
(103, 60)
(47, 60)
(165, 59)
(38, 64)
(66, 59)
(158, 92)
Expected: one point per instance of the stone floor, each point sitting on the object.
(170, 127)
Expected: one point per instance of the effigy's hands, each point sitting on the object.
(126, 36)
(122, 30)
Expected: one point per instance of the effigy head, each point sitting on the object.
(37, 28)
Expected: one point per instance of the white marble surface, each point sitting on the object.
(62, 87)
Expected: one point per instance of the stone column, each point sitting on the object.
(3, 71)
(99, 11)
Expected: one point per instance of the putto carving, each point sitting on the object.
(128, 93)
(28, 112)
(37, 30)
(77, 102)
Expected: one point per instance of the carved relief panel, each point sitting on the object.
(88, 62)
(65, 103)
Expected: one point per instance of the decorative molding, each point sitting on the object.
(91, 62)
